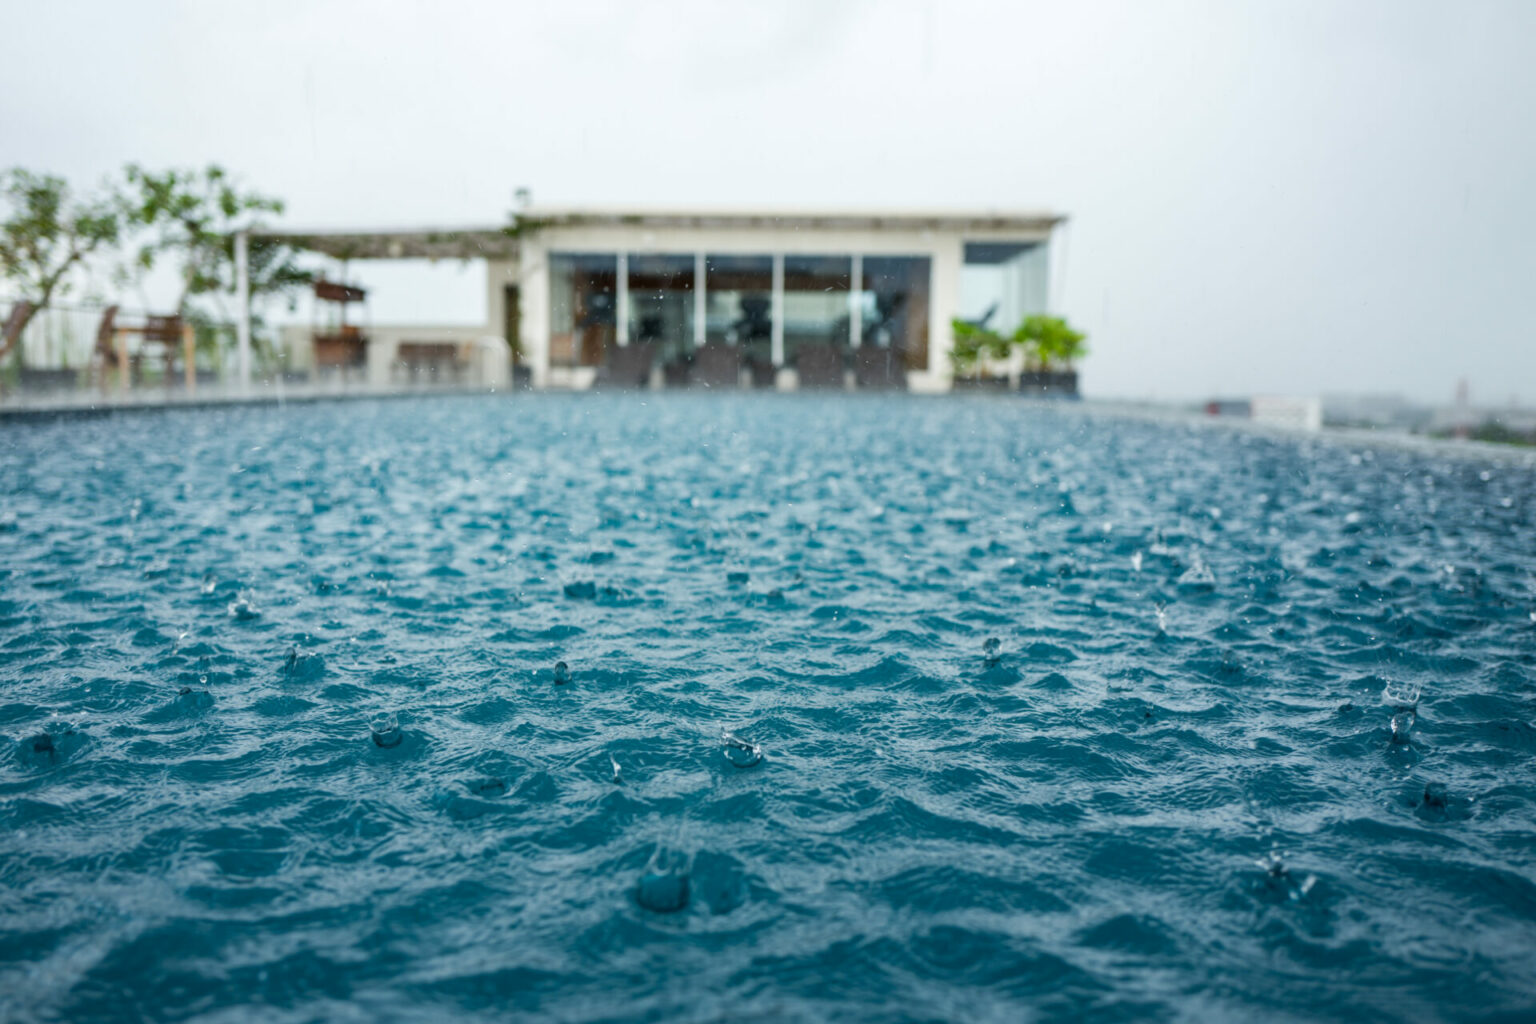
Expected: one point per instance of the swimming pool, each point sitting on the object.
(1171, 788)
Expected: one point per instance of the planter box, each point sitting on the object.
(991, 385)
(48, 380)
(1049, 383)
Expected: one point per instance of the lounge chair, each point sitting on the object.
(716, 365)
(879, 369)
(628, 367)
(820, 366)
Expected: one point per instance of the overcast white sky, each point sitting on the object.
(1273, 197)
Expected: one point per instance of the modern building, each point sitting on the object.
(585, 298)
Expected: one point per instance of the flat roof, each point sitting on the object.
(502, 241)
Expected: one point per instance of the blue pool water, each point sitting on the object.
(1170, 790)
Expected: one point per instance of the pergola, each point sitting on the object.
(462, 243)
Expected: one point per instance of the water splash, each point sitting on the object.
(1281, 880)
(241, 609)
(1198, 576)
(562, 673)
(740, 752)
(664, 884)
(1404, 699)
(386, 731)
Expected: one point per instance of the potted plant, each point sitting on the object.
(973, 345)
(1051, 346)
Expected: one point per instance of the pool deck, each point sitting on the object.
(22, 407)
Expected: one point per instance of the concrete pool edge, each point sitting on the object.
(44, 411)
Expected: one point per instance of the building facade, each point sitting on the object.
(768, 299)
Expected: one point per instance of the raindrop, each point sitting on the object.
(739, 752)
(386, 731)
(991, 650)
(1402, 725)
(242, 610)
(663, 887)
(488, 787)
(1280, 879)
(1198, 576)
(615, 763)
(1136, 561)
(562, 673)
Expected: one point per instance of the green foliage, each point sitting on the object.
(192, 217)
(974, 343)
(1049, 340)
(1046, 341)
(47, 232)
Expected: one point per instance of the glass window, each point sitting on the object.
(661, 302)
(816, 307)
(893, 302)
(738, 297)
(583, 300)
(1002, 282)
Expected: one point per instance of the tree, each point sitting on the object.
(272, 272)
(46, 234)
(193, 217)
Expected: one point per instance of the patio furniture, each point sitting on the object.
(820, 366)
(876, 368)
(627, 367)
(716, 365)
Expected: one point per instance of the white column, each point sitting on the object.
(778, 309)
(533, 292)
(699, 300)
(621, 303)
(855, 308)
(1056, 268)
(243, 310)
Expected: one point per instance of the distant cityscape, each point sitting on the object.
(1508, 422)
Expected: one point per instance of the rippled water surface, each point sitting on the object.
(1170, 789)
